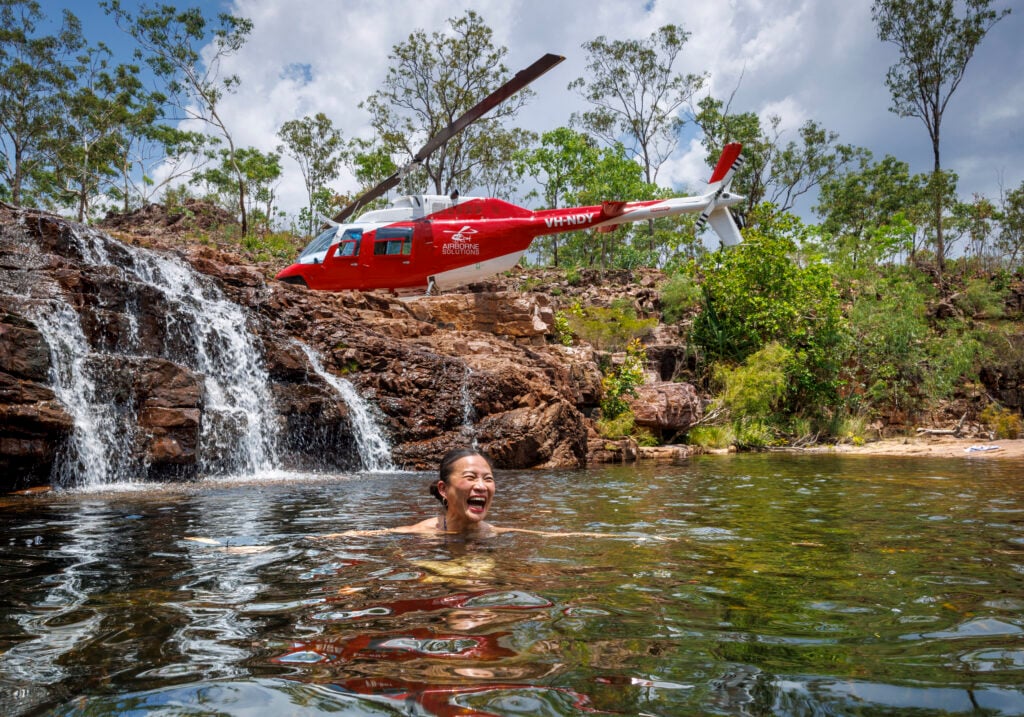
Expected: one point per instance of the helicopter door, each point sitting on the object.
(392, 256)
(342, 261)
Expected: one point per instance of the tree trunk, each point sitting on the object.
(940, 244)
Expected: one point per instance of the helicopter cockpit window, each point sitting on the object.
(320, 244)
(393, 241)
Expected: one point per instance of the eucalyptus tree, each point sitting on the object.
(369, 162)
(870, 213)
(572, 170)
(259, 170)
(498, 169)
(33, 70)
(637, 97)
(1010, 240)
(434, 79)
(637, 94)
(935, 45)
(155, 156)
(102, 110)
(318, 148)
(773, 171)
(176, 44)
(559, 165)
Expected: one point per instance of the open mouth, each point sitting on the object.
(477, 504)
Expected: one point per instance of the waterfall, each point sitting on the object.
(374, 451)
(239, 432)
(468, 412)
(101, 449)
(205, 332)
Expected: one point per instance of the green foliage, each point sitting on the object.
(620, 426)
(563, 329)
(680, 297)
(718, 437)
(756, 388)
(1003, 422)
(621, 381)
(889, 328)
(866, 212)
(1010, 240)
(758, 293)
(257, 171)
(434, 79)
(955, 354)
(610, 328)
(982, 299)
(574, 171)
(318, 148)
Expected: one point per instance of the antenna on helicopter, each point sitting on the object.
(518, 82)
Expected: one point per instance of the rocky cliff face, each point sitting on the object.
(142, 347)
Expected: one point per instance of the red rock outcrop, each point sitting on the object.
(441, 371)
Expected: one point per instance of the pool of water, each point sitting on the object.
(760, 584)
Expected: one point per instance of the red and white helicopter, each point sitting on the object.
(425, 243)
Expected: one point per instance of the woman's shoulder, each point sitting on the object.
(427, 526)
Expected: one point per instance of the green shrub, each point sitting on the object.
(1003, 422)
(982, 298)
(755, 389)
(680, 296)
(563, 329)
(711, 436)
(621, 381)
(754, 433)
(610, 328)
(889, 329)
(624, 426)
(619, 426)
(765, 291)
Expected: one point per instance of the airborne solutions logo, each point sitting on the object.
(461, 243)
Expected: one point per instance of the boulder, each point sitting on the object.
(665, 407)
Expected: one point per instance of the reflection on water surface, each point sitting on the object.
(781, 585)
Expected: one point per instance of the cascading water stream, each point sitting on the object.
(374, 451)
(468, 411)
(101, 448)
(204, 332)
(242, 435)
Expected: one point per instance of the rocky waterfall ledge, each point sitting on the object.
(438, 371)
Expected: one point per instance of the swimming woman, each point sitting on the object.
(465, 487)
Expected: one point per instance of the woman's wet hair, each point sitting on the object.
(447, 465)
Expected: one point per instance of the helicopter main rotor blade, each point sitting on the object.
(518, 82)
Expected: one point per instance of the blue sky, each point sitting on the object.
(799, 59)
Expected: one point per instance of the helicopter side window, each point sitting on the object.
(350, 242)
(393, 241)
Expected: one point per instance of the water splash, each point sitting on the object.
(374, 450)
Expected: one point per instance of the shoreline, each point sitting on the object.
(928, 447)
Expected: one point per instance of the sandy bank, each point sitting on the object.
(933, 447)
